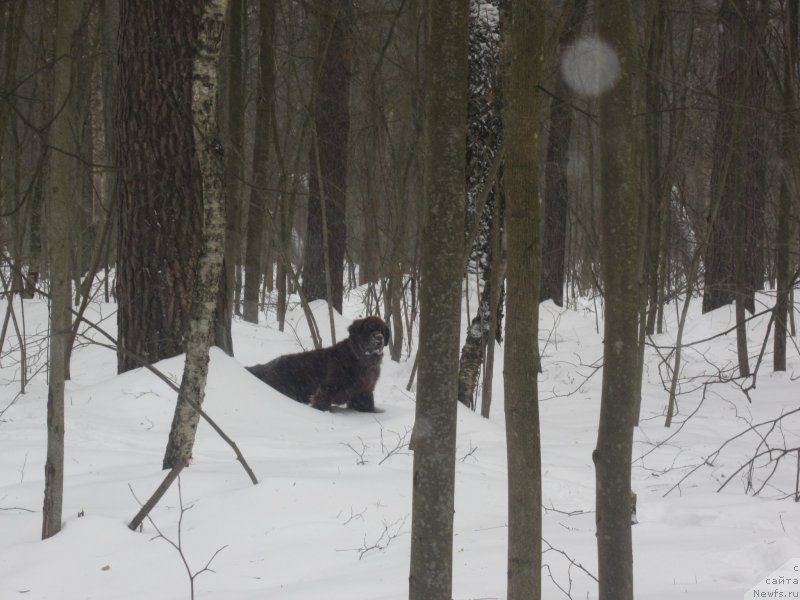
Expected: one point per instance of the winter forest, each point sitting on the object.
(388, 299)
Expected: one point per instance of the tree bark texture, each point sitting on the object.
(328, 158)
(788, 146)
(235, 156)
(158, 189)
(657, 195)
(554, 239)
(159, 184)
(620, 256)
(738, 180)
(485, 152)
(522, 310)
(206, 289)
(257, 214)
(469, 365)
(431, 570)
(60, 198)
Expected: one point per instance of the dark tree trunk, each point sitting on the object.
(61, 191)
(434, 437)
(656, 199)
(521, 362)
(328, 157)
(554, 238)
(256, 215)
(738, 175)
(784, 233)
(620, 261)
(158, 188)
(235, 153)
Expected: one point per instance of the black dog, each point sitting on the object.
(345, 373)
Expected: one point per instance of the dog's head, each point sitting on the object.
(368, 337)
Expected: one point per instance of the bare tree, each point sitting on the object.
(60, 195)
(235, 156)
(787, 149)
(434, 437)
(257, 213)
(734, 262)
(554, 240)
(521, 367)
(159, 186)
(206, 288)
(326, 232)
(620, 224)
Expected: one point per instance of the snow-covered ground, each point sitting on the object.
(330, 517)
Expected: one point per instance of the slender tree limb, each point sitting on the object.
(157, 495)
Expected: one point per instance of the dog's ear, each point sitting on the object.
(386, 333)
(356, 327)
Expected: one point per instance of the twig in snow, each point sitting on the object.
(400, 443)
(353, 516)
(359, 453)
(470, 453)
(179, 544)
(390, 531)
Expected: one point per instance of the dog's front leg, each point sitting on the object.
(321, 399)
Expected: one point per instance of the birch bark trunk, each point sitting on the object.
(206, 286)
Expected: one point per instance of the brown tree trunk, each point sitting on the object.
(521, 367)
(60, 196)
(434, 437)
(654, 207)
(256, 215)
(788, 146)
(235, 153)
(158, 188)
(740, 129)
(328, 183)
(620, 263)
(554, 238)
(12, 28)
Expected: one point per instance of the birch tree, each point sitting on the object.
(206, 287)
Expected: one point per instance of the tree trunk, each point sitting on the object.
(256, 216)
(469, 365)
(431, 570)
(205, 66)
(328, 157)
(523, 274)
(554, 240)
(485, 153)
(620, 253)
(12, 32)
(235, 154)
(787, 147)
(496, 285)
(654, 206)
(740, 129)
(158, 189)
(60, 197)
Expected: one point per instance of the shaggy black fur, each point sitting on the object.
(344, 373)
